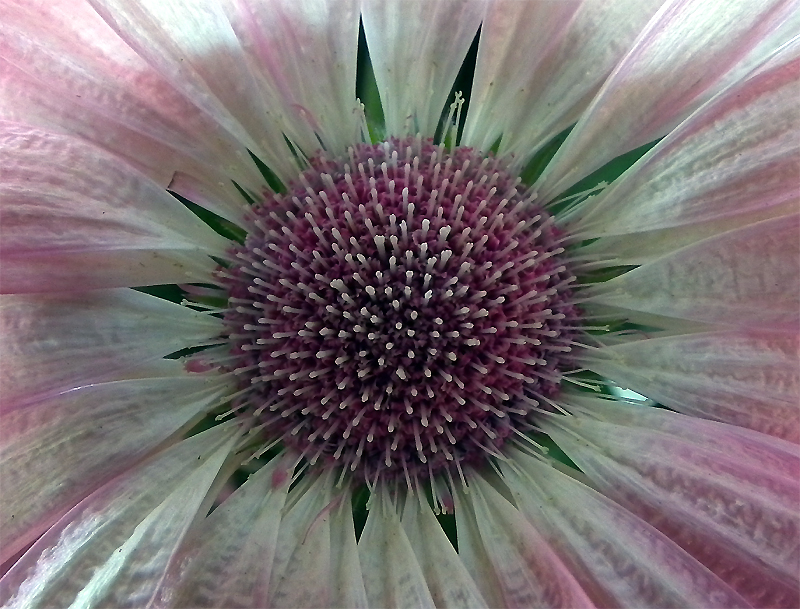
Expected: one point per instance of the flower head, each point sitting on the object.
(384, 354)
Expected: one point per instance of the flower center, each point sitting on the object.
(400, 311)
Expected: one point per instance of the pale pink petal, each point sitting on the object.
(63, 200)
(392, 575)
(226, 559)
(303, 574)
(539, 64)
(746, 278)
(347, 578)
(25, 100)
(646, 246)
(512, 564)
(684, 56)
(449, 582)
(192, 44)
(621, 560)
(746, 378)
(727, 495)
(66, 70)
(739, 153)
(113, 547)
(416, 49)
(52, 343)
(303, 55)
(55, 452)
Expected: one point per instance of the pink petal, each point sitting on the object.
(621, 560)
(512, 564)
(56, 342)
(113, 547)
(746, 378)
(303, 56)
(66, 70)
(747, 278)
(55, 452)
(737, 154)
(192, 45)
(392, 575)
(226, 559)
(540, 63)
(727, 495)
(686, 54)
(449, 582)
(73, 215)
(416, 55)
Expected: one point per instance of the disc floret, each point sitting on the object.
(400, 311)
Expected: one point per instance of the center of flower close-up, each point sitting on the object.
(400, 310)
(383, 304)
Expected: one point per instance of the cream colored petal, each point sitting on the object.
(113, 547)
(417, 48)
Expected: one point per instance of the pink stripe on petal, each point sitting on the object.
(52, 343)
(511, 562)
(739, 153)
(57, 451)
(620, 559)
(416, 55)
(226, 559)
(727, 495)
(746, 278)
(746, 378)
(685, 55)
(112, 548)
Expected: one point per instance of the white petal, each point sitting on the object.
(685, 55)
(192, 45)
(727, 495)
(513, 565)
(449, 582)
(56, 342)
(307, 572)
(65, 201)
(746, 378)
(620, 559)
(226, 559)
(392, 575)
(639, 248)
(747, 278)
(347, 579)
(303, 54)
(539, 64)
(417, 48)
(113, 547)
(67, 71)
(55, 452)
(739, 153)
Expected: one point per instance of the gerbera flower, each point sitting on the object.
(460, 357)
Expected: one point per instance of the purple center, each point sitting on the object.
(400, 311)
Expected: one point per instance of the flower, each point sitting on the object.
(443, 316)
